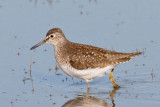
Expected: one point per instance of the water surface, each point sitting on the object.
(125, 26)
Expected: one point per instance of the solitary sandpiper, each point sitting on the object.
(84, 61)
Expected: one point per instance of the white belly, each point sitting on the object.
(86, 74)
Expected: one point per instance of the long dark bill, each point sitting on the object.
(40, 43)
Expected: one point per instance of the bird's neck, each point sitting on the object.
(61, 52)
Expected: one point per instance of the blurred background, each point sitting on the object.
(33, 78)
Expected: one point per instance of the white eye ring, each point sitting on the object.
(52, 35)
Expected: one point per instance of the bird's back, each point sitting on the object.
(85, 56)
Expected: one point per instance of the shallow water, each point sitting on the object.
(124, 26)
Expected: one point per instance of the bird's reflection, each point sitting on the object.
(112, 96)
(91, 101)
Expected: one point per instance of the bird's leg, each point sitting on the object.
(87, 84)
(111, 78)
(87, 94)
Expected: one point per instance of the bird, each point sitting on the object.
(84, 61)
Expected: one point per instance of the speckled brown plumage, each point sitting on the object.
(81, 56)
(85, 56)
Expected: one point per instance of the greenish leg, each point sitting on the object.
(87, 84)
(111, 78)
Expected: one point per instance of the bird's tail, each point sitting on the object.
(135, 54)
(128, 57)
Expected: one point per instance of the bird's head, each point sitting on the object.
(54, 36)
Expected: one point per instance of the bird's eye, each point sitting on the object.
(51, 36)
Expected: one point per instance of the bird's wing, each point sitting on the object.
(85, 57)
(88, 60)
